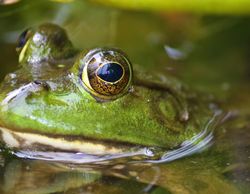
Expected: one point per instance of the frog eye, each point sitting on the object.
(105, 73)
(24, 36)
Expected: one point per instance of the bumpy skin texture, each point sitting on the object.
(152, 113)
(46, 43)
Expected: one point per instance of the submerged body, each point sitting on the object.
(92, 102)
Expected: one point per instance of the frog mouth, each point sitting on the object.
(65, 149)
(42, 142)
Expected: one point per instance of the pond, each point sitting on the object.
(207, 51)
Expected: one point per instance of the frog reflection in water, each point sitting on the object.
(91, 101)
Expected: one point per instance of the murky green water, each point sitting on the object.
(209, 53)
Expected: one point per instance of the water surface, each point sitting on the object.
(209, 53)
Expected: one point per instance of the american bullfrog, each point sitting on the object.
(92, 101)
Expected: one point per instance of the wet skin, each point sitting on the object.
(62, 98)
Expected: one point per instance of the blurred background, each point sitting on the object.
(206, 44)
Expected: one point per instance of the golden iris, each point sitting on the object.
(106, 73)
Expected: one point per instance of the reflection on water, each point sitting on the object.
(218, 63)
(25, 176)
(202, 174)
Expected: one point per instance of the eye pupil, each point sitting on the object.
(110, 72)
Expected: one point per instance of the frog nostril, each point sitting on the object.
(38, 82)
(42, 84)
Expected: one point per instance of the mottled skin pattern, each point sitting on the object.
(46, 96)
(107, 88)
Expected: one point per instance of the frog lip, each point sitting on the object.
(42, 142)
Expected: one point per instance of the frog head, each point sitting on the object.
(94, 104)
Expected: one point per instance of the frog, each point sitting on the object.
(92, 100)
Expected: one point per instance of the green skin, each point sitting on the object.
(52, 102)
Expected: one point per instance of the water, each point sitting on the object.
(209, 53)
